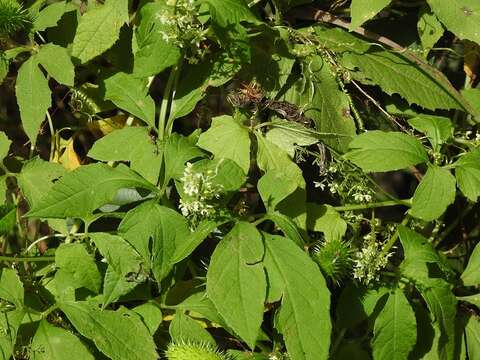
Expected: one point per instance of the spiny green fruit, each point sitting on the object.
(194, 351)
(334, 258)
(13, 17)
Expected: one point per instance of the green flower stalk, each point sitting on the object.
(13, 17)
(194, 351)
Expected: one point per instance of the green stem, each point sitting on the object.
(49, 310)
(394, 237)
(52, 136)
(164, 105)
(350, 207)
(27, 258)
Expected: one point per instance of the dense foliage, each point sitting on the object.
(231, 179)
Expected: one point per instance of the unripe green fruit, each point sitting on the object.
(13, 17)
(194, 352)
(334, 258)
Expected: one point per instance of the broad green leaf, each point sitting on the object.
(4, 66)
(78, 193)
(123, 262)
(287, 135)
(340, 40)
(471, 274)
(318, 96)
(154, 53)
(227, 139)
(4, 145)
(287, 226)
(74, 259)
(472, 299)
(228, 12)
(236, 281)
(130, 94)
(56, 60)
(437, 129)
(467, 172)
(49, 16)
(183, 329)
(435, 192)
(9, 322)
(154, 231)
(54, 343)
(395, 74)
(8, 218)
(11, 288)
(385, 151)
(364, 10)
(430, 30)
(459, 16)
(151, 315)
(194, 239)
(201, 304)
(33, 97)
(120, 336)
(304, 315)
(472, 95)
(99, 29)
(326, 219)
(177, 151)
(472, 334)
(349, 350)
(130, 144)
(3, 189)
(275, 186)
(357, 303)
(395, 331)
(36, 178)
(418, 253)
(228, 174)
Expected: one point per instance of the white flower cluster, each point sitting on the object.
(370, 260)
(199, 193)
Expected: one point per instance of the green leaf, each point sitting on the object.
(438, 129)
(151, 315)
(318, 96)
(430, 30)
(33, 97)
(130, 94)
(183, 329)
(120, 336)
(54, 343)
(304, 315)
(99, 29)
(154, 231)
(287, 135)
(8, 218)
(395, 74)
(287, 226)
(326, 219)
(11, 288)
(80, 192)
(49, 16)
(4, 66)
(340, 40)
(435, 192)
(236, 281)
(459, 16)
(471, 275)
(36, 178)
(201, 304)
(194, 239)
(467, 173)
(362, 11)
(154, 53)
(385, 151)
(4, 145)
(472, 95)
(56, 60)
(229, 140)
(472, 299)
(130, 144)
(123, 261)
(178, 150)
(472, 334)
(395, 331)
(10, 322)
(74, 259)
(228, 12)
(275, 186)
